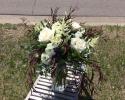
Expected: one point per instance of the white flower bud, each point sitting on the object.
(78, 34)
(76, 25)
(45, 58)
(50, 49)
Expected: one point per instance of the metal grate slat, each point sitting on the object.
(42, 88)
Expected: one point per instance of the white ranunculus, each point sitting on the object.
(76, 25)
(45, 58)
(45, 35)
(78, 44)
(50, 49)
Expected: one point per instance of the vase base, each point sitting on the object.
(59, 88)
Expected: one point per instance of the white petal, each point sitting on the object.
(45, 35)
(78, 44)
(75, 25)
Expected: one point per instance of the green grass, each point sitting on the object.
(7, 26)
(13, 63)
(110, 52)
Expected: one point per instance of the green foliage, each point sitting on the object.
(7, 26)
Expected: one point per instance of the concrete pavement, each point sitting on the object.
(93, 12)
(93, 21)
(86, 8)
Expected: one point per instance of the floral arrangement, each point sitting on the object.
(59, 43)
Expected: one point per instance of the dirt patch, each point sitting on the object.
(15, 33)
(112, 32)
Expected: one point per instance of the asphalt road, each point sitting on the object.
(91, 8)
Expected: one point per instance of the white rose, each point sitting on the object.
(76, 25)
(45, 35)
(45, 58)
(78, 44)
(50, 49)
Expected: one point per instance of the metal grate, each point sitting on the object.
(42, 89)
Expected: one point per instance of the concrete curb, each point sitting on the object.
(92, 21)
